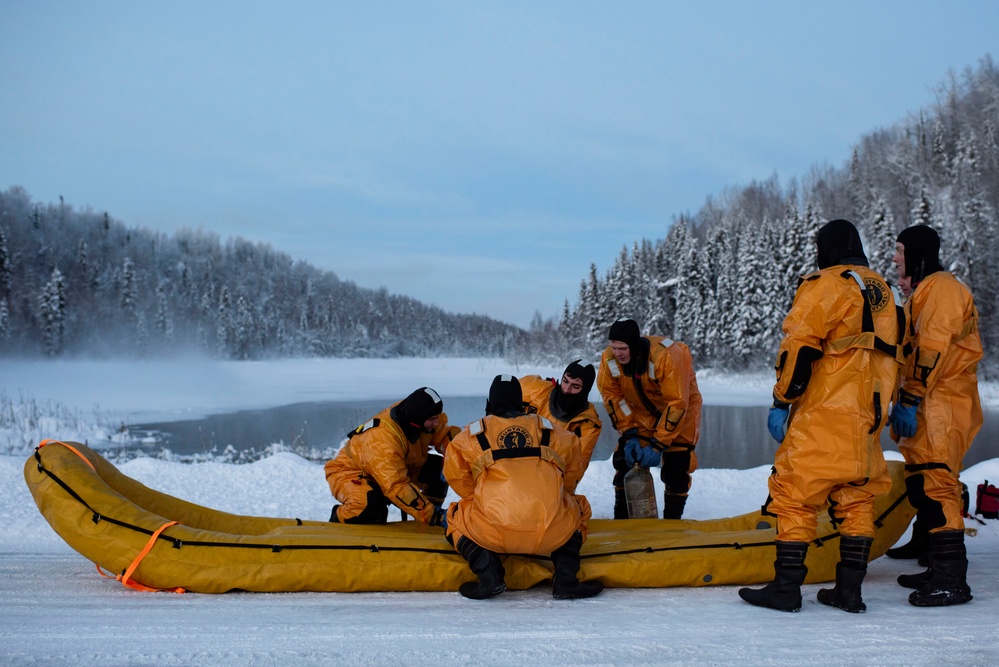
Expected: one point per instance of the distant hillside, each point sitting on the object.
(80, 283)
(723, 279)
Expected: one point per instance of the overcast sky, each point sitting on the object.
(474, 155)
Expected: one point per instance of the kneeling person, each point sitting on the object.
(513, 472)
(388, 460)
(566, 403)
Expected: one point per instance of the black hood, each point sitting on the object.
(566, 406)
(411, 412)
(627, 331)
(838, 242)
(506, 398)
(921, 245)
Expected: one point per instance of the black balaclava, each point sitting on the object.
(838, 242)
(627, 331)
(921, 244)
(566, 406)
(414, 410)
(506, 399)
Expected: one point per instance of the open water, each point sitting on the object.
(731, 437)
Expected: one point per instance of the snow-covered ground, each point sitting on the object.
(55, 609)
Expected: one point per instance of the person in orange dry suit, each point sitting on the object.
(837, 367)
(650, 391)
(387, 460)
(566, 403)
(513, 472)
(937, 414)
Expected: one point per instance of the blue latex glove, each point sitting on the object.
(903, 420)
(777, 423)
(439, 517)
(650, 456)
(632, 451)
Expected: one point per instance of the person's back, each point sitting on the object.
(510, 470)
(519, 502)
(936, 417)
(836, 368)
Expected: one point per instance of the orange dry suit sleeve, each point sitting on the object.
(609, 378)
(383, 457)
(805, 327)
(681, 400)
(938, 325)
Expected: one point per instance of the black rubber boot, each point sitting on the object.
(673, 506)
(948, 584)
(565, 582)
(487, 567)
(854, 553)
(917, 545)
(915, 581)
(784, 592)
(620, 503)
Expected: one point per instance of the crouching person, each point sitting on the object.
(512, 471)
(388, 460)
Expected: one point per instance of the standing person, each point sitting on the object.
(836, 369)
(566, 403)
(513, 472)
(387, 460)
(919, 540)
(650, 391)
(938, 412)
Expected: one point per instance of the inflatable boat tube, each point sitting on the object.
(152, 541)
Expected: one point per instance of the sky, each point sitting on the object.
(477, 156)
(57, 610)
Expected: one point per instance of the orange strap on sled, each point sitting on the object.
(126, 579)
(70, 448)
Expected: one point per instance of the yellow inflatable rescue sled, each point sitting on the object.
(151, 541)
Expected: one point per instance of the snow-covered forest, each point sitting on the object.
(723, 279)
(77, 283)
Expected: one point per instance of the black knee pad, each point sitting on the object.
(376, 510)
(431, 475)
(617, 459)
(674, 473)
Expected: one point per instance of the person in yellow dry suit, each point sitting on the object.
(937, 414)
(836, 369)
(387, 460)
(566, 403)
(650, 391)
(513, 472)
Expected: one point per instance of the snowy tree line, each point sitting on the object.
(81, 283)
(723, 279)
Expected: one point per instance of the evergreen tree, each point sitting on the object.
(164, 323)
(727, 297)
(128, 290)
(881, 243)
(4, 321)
(223, 324)
(5, 268)
(52, 314)
(753, 321)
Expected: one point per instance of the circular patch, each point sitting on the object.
(877, 293)
(514, 437)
